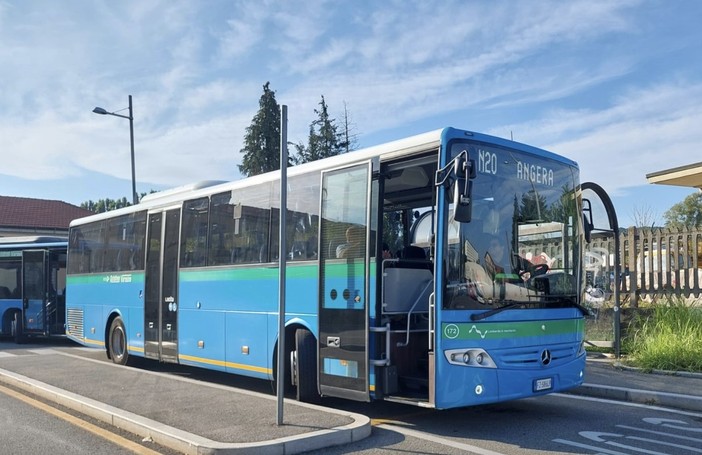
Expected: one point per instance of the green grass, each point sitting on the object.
(669, 338)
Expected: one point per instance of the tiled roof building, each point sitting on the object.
(27, 216)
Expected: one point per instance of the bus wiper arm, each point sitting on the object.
(575, 304)
(487, 314)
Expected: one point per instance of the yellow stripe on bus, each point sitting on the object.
(190, 358)
(220, 363)
(102, 345)
(94, 342)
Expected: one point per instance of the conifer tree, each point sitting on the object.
(262, 139)
(324, 139)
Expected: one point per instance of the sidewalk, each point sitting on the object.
(608, 378)
(190, 416)
(195, 417)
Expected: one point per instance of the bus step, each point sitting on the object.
(414, 382)
(421, 402)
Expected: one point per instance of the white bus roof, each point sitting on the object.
(403, 147)
(385, 152)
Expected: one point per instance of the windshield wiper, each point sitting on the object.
(512, 304)
(570, 300)
(499, 309)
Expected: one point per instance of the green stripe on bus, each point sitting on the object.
(334, 270)
(497, 330)
(269, 273)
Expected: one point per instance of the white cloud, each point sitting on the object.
(563, 75)
(643, 131)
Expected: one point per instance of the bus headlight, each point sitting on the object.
(581, 349)
(470, 357)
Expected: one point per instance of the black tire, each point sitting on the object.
(287, 364)
(306, 366)
(17, 328)
(117, 342)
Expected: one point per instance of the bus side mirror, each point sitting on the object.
(588, 229)
(463, 190)
(588, 226)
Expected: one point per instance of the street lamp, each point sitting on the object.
(130, 117)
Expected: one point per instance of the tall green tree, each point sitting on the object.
(687, 213)
(324, 140)
(262, 139)
(107, 204)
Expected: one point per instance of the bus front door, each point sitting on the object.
(161, 287)
(34, 292)
(343, 283)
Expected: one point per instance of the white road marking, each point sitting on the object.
(661, 433)
(43, 351)
(446, 442)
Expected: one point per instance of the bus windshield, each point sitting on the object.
(522, 245)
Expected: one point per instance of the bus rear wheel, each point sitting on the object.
(117, 342)
(17, 328)
(305, 366)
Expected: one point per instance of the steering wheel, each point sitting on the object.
(533, 270)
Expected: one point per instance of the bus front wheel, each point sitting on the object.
(117, 342)
(305, 365)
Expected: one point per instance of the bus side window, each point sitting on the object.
(5, 292)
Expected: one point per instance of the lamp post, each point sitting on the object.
(130, 117)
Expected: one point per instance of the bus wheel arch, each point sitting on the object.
(300, 362)
(116, 340)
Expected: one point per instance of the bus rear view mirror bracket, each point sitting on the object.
(459, 172)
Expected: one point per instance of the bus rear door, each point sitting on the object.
(343, 283)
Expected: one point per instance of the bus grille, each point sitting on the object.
(529, 358)
(74, 321)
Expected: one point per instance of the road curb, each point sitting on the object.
(189, 443)
(671, 400)
(683, 374)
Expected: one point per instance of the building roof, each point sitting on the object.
(690, 176)
(22, 212)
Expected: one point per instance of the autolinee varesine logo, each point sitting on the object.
(125, 278)
(453, 331)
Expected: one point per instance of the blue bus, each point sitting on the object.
(441, 270)
(32, 286)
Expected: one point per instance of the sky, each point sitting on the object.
(614, 85)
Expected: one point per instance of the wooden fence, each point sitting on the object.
(655, 262)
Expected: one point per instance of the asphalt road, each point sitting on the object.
(31, 425)
(559, 423)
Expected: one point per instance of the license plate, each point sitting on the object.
(542, 384)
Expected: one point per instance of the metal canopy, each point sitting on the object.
(688, 176)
